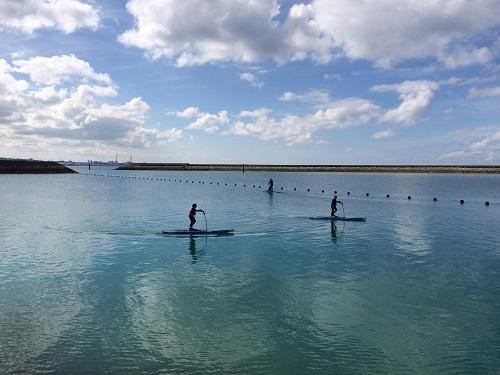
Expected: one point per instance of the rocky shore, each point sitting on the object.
(32, 167)
(313, 168)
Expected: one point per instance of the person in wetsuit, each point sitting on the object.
(192, 214)
(334, 205)
(270, 184)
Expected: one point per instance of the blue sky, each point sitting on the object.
(262, 81)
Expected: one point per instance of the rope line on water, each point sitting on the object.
(307, 190)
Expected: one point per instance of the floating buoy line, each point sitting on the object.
(294, 189)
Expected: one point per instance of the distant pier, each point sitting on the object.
(312, 168)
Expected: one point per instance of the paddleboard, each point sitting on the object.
(338, 218)
(198, 232)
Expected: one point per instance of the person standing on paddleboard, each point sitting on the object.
(334, 205)
(192, 214)
(270, 184)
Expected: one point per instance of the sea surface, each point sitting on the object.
(89, 284)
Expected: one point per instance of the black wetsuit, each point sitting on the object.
(334, 206)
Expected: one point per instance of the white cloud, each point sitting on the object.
(30, 15)
(313, 96)
(56, 69)
(208, 122)
(387, 32)
(224, 30)
(416, 97)
(332, 77)
(300, 129)
(384, 134)
(252, 79)
(482, 93)
(484, 149)
(255, 113)
(190, 112)
(490, 141)
(465, 57)
(38, 111)
(378, 31)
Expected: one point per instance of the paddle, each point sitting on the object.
(343, 211)
(206, 225)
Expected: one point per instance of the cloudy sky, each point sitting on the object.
(251, 81)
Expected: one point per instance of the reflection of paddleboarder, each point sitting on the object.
(334, 231)
(192, 214)
(270, 184)
(334, 205)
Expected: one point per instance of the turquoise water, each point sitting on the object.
(89, 284)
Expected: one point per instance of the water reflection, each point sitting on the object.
(193, 251)
(334, 231)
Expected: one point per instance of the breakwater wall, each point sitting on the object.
(32, 167)
(312, 168)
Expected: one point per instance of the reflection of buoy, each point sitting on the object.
(387, 196)
(434, 199)
(461, 201)
(409, 197)
(487, 203)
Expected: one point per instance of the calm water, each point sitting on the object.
(89, 284)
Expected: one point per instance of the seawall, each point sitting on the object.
(312, 168)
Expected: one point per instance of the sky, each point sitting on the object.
(251, 81)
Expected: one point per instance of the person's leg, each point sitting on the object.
(193, 220)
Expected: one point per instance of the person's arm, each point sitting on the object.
(200, 210)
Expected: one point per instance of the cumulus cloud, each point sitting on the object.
(416, 97)
(388, 33)
(300, 129)
(313, 96)
(53, 70)
(28, 16)
(252, 79)
(484, 148)
(486, 92)
(208, 122)
(224, 30)
(378, 31)
(70, 105)
(384, 134)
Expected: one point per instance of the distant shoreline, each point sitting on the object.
(312, 168)
(13, 166)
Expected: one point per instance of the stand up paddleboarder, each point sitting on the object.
(192, 214)
(334, 205)
(270, 185)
